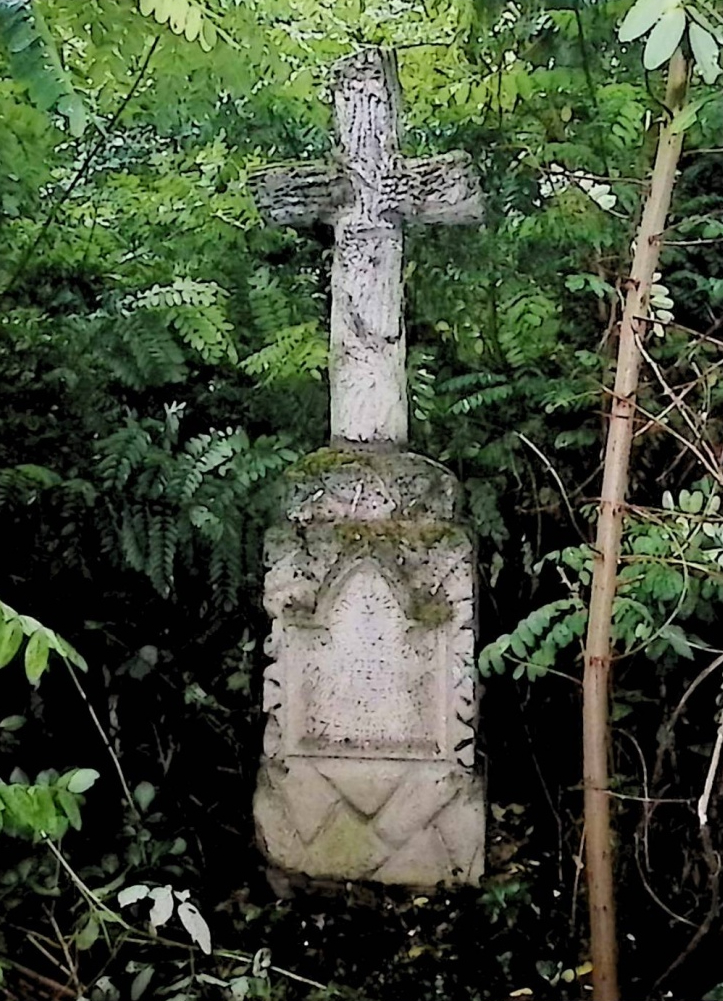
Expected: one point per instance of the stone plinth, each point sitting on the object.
(371, 702)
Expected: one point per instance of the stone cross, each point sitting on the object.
(371, 700)
(366, 195)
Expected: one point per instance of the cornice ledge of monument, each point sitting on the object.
(355, 484)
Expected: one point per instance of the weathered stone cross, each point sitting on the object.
(366, 196)
(370, 693)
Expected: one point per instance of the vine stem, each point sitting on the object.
(128, 795)
(598, 652)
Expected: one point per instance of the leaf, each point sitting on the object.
(162, 10)
(10, 639)
(71, 654)
(207, 978)
(679, 641)
(517, 645)
(146, 7)
(261, 963)
(69, 805)
(36, 656)
(208, 37)
(193, 23)
(195, 926)
(699, 17)
(74, 110)
(575, 282)
(82, 780)
(640, 18)
(179, 13)
(45, 813)
(17, 805)
(162, 897)
(141, 981)
(132, 894)
(21, 35)
(705, 52)
(12, 723)
(144, 794)
(497, 660)
(696, 502)
(664, 38)
(88, 935)
(240, 987)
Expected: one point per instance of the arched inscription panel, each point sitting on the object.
(365, 686)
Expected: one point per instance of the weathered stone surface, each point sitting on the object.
(361, 484)
(371, 696)
(346, 845)
(366, 194)
(418, 862)
(309, 798)
(428, 789)
(366, 785)
(428, 831)
(459, 826)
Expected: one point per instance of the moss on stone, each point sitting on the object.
(395, 531)
(430, 609)
(325, 460)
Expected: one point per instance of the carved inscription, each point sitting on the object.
(366, 687)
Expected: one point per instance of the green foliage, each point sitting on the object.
(292, 350)
(168, 496)
(14, 628)
(672, 572)
(46, 808)
(667, 23)
(194, 310)
(534, 644)
(35, 64)
(184, 17)
(505, 900)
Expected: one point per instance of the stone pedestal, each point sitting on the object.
(369, 744)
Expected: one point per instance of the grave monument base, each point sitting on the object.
(417, 824)
(369, 745)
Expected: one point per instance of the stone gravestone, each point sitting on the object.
(371, 702)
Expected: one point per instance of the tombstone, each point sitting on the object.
(367, 771)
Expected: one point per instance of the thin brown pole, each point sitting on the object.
(596, 682)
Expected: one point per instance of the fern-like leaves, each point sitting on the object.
(196, 496)
(183, 17)
(534, 644)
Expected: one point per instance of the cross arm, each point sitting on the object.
(441, 189)
(298, 196)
